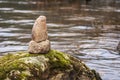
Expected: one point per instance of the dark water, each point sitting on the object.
(87, 30)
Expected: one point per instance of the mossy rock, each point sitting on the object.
(54, 65)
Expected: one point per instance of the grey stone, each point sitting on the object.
(41, 47)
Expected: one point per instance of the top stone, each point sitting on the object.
(39, 30)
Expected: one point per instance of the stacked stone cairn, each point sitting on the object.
(39, 42)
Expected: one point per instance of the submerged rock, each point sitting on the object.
(118, 48)
(52, 66)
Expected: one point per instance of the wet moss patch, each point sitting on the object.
(53, 65)
(58, 60)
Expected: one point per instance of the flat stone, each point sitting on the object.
(41, 47)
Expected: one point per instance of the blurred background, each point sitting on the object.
(86, 29)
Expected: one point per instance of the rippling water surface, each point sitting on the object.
(90, 31)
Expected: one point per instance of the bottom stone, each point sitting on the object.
(41, 47)
(54, 65)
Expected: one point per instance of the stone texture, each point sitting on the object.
(42, 47)
(54, 65)
(39, 42)
(39, 30)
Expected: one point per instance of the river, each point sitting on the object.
(89, 30)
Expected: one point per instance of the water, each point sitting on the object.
(88, 30)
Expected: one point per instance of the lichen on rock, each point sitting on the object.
(54, 65)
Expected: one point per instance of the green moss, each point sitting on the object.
(58, 59)
(17, 62)
(25, 66)
(13, 62)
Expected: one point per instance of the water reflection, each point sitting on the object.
(88, 30)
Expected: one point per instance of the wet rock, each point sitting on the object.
(39, 42)
(118, 48)
(54, 65)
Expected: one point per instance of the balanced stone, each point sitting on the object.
(39, 30)
(39, 42)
